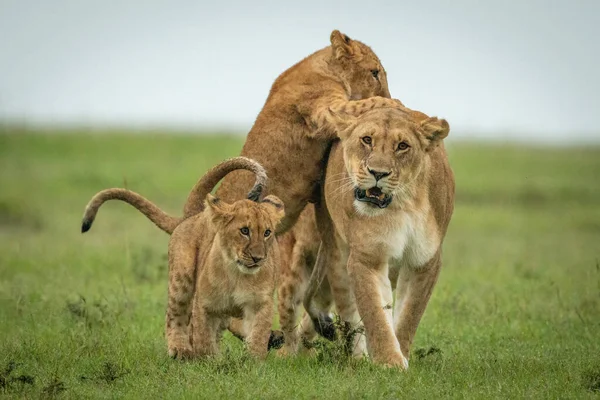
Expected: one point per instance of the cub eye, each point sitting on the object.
(375, 73)
(245, 231)
(267, 233)
(367, 139)
(403, 146)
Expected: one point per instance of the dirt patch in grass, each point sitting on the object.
(10, 382)
(591, 379)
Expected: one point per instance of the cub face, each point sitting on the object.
(246, 229)
(384, 152)
(358, 66)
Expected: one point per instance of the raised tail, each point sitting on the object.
(195, 201)
(164, 221)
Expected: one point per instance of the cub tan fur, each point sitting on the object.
(236, 275)
(299, 248)
(395, 246)
(231, 272)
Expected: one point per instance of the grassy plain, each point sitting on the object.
(516, 312)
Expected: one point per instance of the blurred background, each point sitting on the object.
(516, 312)
(511, 70)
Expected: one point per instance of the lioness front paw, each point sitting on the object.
(396, 361)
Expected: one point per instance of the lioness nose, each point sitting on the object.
(256, 259)
(378, 174)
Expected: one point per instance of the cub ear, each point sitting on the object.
(276, 208)
(434, 130)
(341, 44)
(219, 211)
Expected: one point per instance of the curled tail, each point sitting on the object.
(164, 221)
(195, 201)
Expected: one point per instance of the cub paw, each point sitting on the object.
(276, 340)
(325, 327)
(181, 352)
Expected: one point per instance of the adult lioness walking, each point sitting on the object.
(296, 126)
(390, 192)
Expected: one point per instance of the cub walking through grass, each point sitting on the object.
(222, 262)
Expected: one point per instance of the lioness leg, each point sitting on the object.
(260, 321)
(373, 295)
(413, 291)
(182, 260)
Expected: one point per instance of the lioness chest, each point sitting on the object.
(402, 238)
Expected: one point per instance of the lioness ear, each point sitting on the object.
(341, 44)
(219, 211)
(276, 208)
(434, 131)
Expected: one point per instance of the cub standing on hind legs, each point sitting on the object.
(294, 130)
(223, 260)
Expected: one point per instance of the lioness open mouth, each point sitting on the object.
(374, 196)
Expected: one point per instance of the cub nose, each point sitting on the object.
(378, 174)
(256, 259)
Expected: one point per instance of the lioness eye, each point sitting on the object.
(403, 146)
(245, 231)
(375, 73)
(367, 140)
(267, 233)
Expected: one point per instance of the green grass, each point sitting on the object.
(516, 312)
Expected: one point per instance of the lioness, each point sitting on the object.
(223, 259)
(390, 192)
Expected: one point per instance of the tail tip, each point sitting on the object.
(85, 225)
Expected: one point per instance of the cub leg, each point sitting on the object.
(182, 278)
(206, 332)
(328, 256)
(259, 320)
(413, 292)
(290, 293)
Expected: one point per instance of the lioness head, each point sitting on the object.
(358, 67)
(385, 150)
(246, 229)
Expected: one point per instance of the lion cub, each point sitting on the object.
(236, 273)
(222, 263)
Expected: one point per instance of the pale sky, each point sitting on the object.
(515, 69)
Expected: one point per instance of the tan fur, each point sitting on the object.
(403, 241)
(299, 248)
(212, 247)
(209, 259)
(298, 122)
